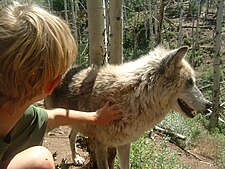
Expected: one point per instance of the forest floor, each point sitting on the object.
(57, 142)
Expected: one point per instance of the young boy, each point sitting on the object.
(36, 48)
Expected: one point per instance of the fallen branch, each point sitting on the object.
(202, 27)
(207, 47)
(170, 133)
(193, 154)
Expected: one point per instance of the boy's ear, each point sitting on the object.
(52, 84)
(173, 60)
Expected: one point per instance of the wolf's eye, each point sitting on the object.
(190, 82)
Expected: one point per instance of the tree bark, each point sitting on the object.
(116, 28)
(49, 5)
(65, 11)
(206, 10)
(180, 23)
(197, 26)
(97, 51)
(216, 64)
(73, 4)
(152, 37)
(96, 30)
(193, 37)
(160, 19)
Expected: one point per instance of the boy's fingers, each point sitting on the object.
(107, 104)
(118, 115)
(115, 107)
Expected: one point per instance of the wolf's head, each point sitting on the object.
(188, 98)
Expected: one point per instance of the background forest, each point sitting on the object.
(143, 25)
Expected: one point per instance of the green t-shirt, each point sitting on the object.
(29, 131)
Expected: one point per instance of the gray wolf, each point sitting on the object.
(146, 89)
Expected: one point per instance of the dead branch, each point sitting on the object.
(193, 154)
(207, 46)
(170, 133)
(165, 131)
(202, 27)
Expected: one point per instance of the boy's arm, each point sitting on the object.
(103, 116)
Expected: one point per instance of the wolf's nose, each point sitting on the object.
(208, 105)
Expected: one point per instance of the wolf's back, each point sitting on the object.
(62, 95)
(79, 90)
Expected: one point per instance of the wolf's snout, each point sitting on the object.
(208, 105)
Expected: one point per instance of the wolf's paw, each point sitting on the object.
(78, 160)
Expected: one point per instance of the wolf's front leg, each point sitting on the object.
(77, 159)
(111, 153)
(124, 156)
(101, 156)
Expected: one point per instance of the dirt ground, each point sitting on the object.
(58, 143)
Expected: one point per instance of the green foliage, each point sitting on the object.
(194, 7)
(187, 39)
(182, 125)
(62, 165)
(82, 58)
(136, 37)
(205, 82)
(210, 144)
(146, 154)
(58, 5)
(195, 58)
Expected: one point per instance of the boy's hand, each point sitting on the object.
(108, 113)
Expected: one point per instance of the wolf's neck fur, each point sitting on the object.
(146, 100)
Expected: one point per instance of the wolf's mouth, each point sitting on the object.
(188, 110)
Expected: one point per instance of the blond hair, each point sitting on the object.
(35, 48)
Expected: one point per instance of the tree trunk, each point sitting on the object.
(197, 26)
(65, 11)
(206, 10)
(160, 19)
(116, 31)
(193, 37)
(146, 18)
(107, 28)
(180, 23)
(73, 7)
(156, 20)
(152, 37)
(49, 5)
(216, 81)
(97, 51)
(96, 30)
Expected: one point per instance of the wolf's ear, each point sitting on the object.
(173, 59)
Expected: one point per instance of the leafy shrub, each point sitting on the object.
(209, 144)
(146, 154)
